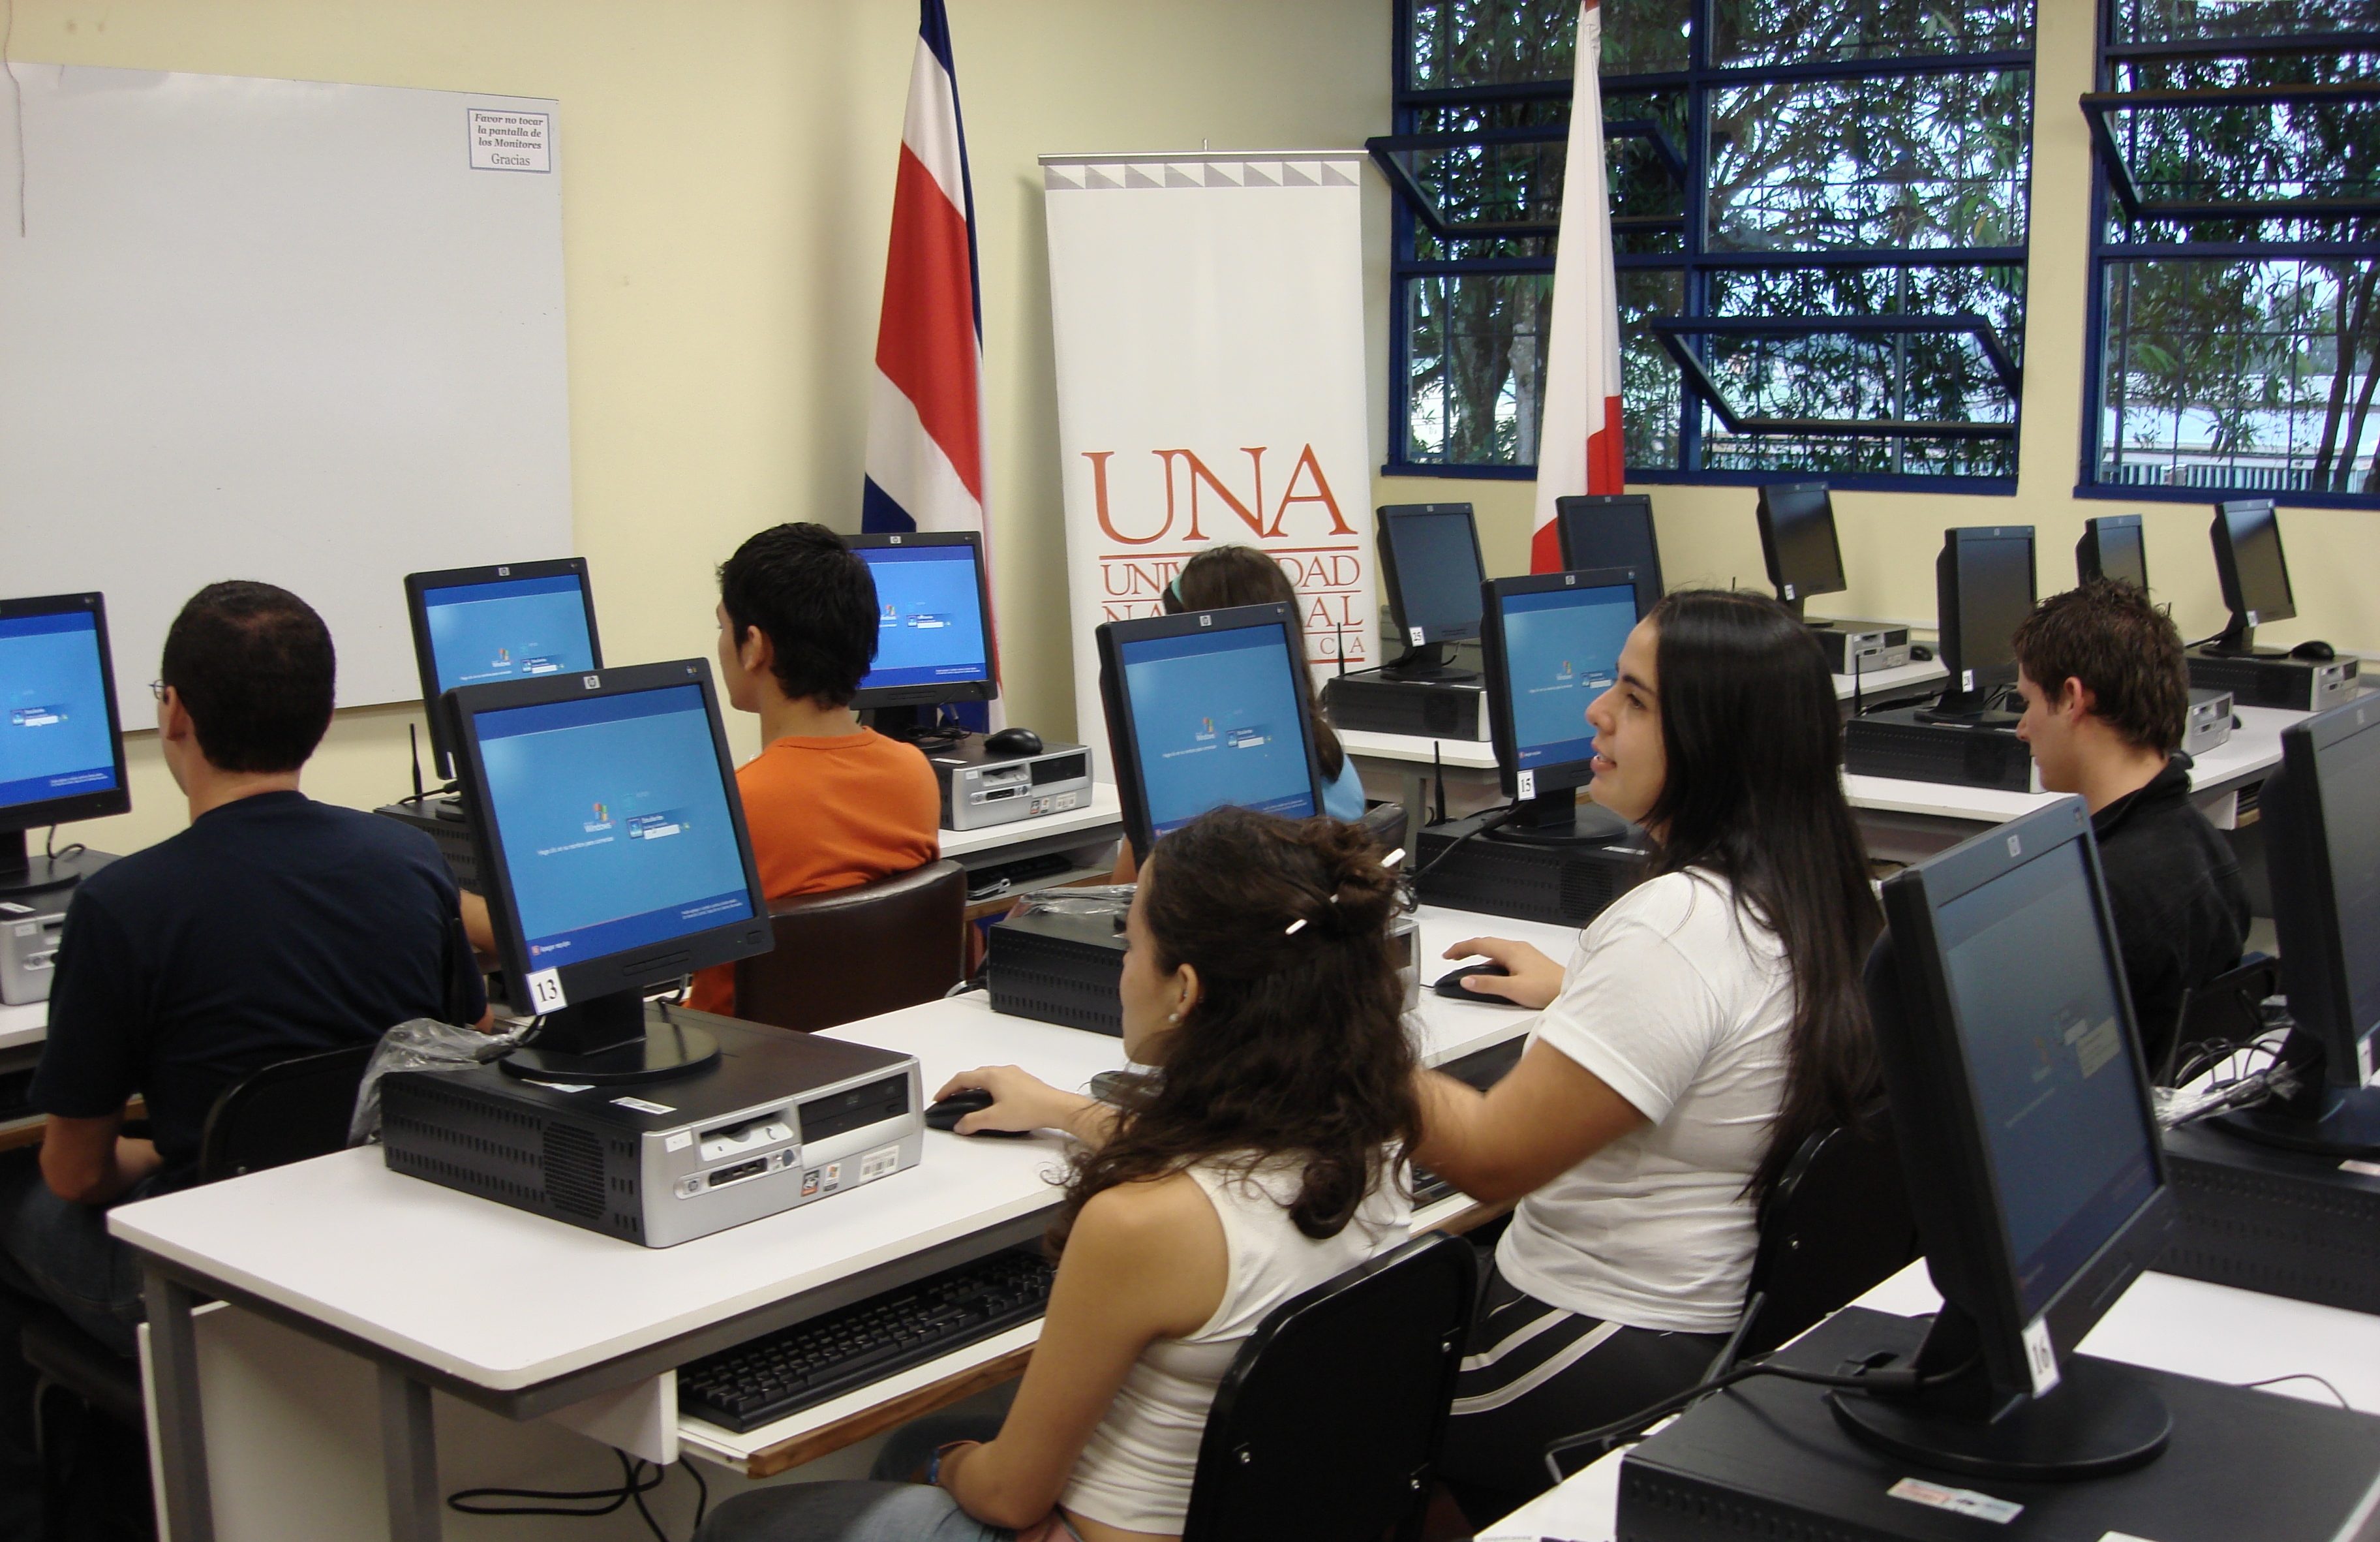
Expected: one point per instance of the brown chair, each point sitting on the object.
(850, 953)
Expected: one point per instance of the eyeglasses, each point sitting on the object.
(157, 689)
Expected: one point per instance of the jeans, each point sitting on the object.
(881, 1509)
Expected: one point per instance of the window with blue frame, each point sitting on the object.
(1818, 214)
(2235, 252)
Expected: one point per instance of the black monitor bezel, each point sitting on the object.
(1389, 515)
(1771, 559)
(2089, 560)
(75, 806)
(1950, 619)
(941, 693)
(2221, 534)
(1932, 1092)
(417, 609)
(1572, 511)
(2305, 893)
(1123, 744)
(611, 972)
(1503, 734)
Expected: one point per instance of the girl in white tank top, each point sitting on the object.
(1263, 1159)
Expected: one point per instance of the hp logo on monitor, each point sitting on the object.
(592, 682)
(892, 540)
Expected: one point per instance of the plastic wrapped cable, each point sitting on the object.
(422, 1044)
(1091, 900)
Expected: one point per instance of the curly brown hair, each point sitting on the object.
(1297, 1046)
(2126, 652)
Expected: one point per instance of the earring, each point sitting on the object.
(1173, 1018)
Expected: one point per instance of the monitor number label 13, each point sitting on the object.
(545, 990)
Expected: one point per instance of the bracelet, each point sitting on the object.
(934, 1466)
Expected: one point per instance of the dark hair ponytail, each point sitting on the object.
(1297, 1045)
(1753, 791)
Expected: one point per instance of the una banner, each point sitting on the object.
(1208, 312)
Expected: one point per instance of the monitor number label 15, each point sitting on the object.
(545, 990)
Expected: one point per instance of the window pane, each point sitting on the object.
(1476, 351)
(2249, 375)
(1753, 32)
(2166, 20)
(1644, 184)
(1645, 37)
(1913, 162)
(1648, 377)
(1472, 42)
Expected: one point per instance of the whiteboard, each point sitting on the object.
(279, 330)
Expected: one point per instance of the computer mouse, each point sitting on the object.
(1920, 652)
(946, 1114)
(2315, 651)
(1451, 984)
(1013, 741)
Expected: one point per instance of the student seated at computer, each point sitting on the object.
(1707, 1023)
(1262, 1161)
(1218, 578)
(2107, 698)
(273, 927)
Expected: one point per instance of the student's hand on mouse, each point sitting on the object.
(1020, 1100)
(1530, 978)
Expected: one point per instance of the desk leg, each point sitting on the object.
(181, 1437)
(408, 1445)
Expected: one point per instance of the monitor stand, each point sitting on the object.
(2239, 641)
(1556, 819)
(24, 873)
(1967, 709)
(1427, 665)
(922, 726)
(607, 1041)
(2320, 1119)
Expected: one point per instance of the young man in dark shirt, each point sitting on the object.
(2106, 695)
(273, 927)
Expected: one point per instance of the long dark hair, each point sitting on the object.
(1753, 792)
(1296, 1047)
(1222, 577)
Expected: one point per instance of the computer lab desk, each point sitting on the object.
(2163, 1322)
(524, 1317)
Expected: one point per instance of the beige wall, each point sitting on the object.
(727, 177)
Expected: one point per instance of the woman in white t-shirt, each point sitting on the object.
(1266, 1159)
(1707, 1024)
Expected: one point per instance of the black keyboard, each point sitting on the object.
(1428, 1189)
(762, 1381)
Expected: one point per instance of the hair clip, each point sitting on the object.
(1294, 928)
(1394, 857)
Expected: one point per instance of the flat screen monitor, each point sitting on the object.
(1205, 708)
(2030, 1147)
(933, 627)
(613, 849)
(1983, 591)
(2111, 548)
(1431, 569)
(2250, 566)
(514, 621)
(1608, 529)
(1551, 646)
(61, 746)
(2322, 819)
(1798, 542)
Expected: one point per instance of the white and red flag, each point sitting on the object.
(1580, 447)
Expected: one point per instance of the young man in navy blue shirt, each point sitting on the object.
(273, 927)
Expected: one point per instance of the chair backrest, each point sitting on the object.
(1328, 1423)
(1837, 1224)
(851, 954)
(2228, 1007)
(286, 1112)
(1387, 823)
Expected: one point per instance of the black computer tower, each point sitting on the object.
(1369, 702)
(444, 820)
(2277, 680)
(1059, 968)
(2277, 1222)
(1566, 885)
(1896, 742)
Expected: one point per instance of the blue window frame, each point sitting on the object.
(2235, 302)
(1818, 212)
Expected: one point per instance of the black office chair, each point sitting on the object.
(860, 952)
(1328, 1424)
(1837, 1224)
(2227, 1009)
(1387, 823)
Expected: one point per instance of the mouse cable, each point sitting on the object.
(632, 1485)
(1487, 821)
(50, 846)
(2304, 1375)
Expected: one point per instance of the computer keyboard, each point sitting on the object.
(1428, 1189)
(784, 1372)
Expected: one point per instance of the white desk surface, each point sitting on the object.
(2163, 1322)
(2253, 746)
(1103, 809)
(28, 1024)
(1879, 680)
(394, 1260)
(1462, 754)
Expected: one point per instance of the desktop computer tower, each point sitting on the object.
(1369, 702)
(1566, 885)
(2278, 1222)
(1896, 742)
(980, 789)
(778, 1120)
(1866, 646)
(444, 820)
(2209, 722)
(2276, 680)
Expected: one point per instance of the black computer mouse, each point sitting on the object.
(1920, 652)
(946, 1114)
(1451, 984)
(2315, 651)
(1013, 741)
